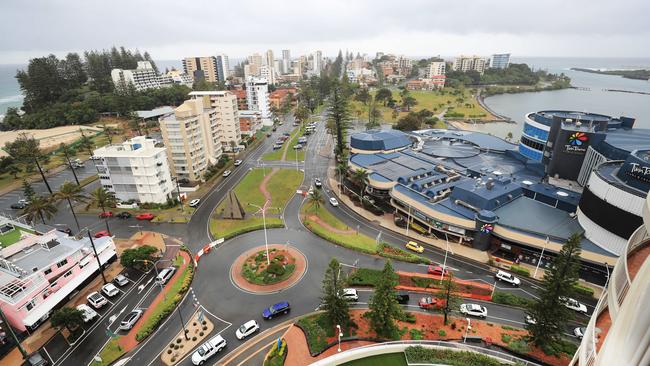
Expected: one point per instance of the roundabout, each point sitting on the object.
(251, 272)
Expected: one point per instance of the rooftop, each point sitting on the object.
(380, 140)
(156, 112)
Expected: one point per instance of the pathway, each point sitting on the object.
(299, 351)
(329, 227)
(262, 186)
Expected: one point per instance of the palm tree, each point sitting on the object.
(67, 151)
(40, 206)
(86, 143)
(359, 177)
(316, 199)
(102, 198)
(71, 193)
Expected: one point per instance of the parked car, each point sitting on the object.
(145, 216)
(106, 214)
(66, 230)
(431, 303)
(36, 359)
(269, 134)
(247, 329)
(102, 233)
(318, 183)
(130, 320)
(530, 320)
(411, 245)
(574, 305)
(110, 290)
(350, 294)
(282, 307)
(473, 310)
(95, 158)
(334, 202)
(124, 215)
(121, 280)
(24, 201)
(507, 277)
(18, 206)
(579, 332)
(165, 274)
(297, 147)
(437, 270)
(276, 147)
(226, 173)
(287, 134)
(402, 297)
(195, 202)
(87, 313)
(237, 162)
(208, 349)
(96, 300)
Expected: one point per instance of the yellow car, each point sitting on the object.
(414, 247)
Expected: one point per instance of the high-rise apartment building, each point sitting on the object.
(257, 96)
(469, 63)
(202, 68)
(267, 72)
(142, 78)
(255, 59)
(286, 62)
(268, 59)
(225, 105)
(135, 170)
(191, 136)
(318, 62)
(436, 68)
(223, 67)
(500, 61)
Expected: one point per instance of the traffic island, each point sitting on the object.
(197, 330)
(253, 272)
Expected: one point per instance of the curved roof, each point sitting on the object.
(379, 140)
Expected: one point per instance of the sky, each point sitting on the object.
(172, 30)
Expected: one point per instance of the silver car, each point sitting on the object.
(130, 320)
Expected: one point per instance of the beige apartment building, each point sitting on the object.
(201, 68)
(225, 105)
(468, 63)
(191, 136)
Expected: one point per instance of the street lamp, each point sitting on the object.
(444, 263)
(178, 192)
(540, 258)
(338, 327)
(13, 335)
(266, 240)
(92, 244)
(408, 221)
(469, 326)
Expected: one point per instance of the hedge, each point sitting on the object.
(249, 229)
(506, 298)
(364, 277)
(276, 356)
(583, 290)
(419, 354)
(315, 334)
(519, 270)
(335, 240)
(401, 255)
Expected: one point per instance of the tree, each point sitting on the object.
(448, 296)
(363, 96)
(338, 114)
(71, 192)
(101, 198)
(337, 308)
(28, 190)
(409, 102)
(301, 113)
(509, 136)
(373, 116)
(360, 177)
(383, 95)
(141, 257)
(67, 151)
(70, 318)
(410, 122)
(13, 170)
(383, 305)
(25, 150)
(315, 199)
(41, 207)
(549, 312)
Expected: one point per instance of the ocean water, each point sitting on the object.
(10, 95)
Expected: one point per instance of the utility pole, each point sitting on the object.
(99, 263)
(13, 335)
(40, 170)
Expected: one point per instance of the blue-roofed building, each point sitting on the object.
(377, 141)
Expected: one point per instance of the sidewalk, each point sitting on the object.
(298, 353)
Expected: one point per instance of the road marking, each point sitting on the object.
(263, 348)
(506, 320)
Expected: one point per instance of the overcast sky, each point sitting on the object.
(171, 30)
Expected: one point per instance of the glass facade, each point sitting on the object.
(529, 152)
(535, 132)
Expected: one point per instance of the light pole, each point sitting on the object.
(13, 335)
(540, 258)
(408, 221)
(266, 240)
(444, 263)
(338, 327)
(178, 192)
(469, 326)
(99, 263)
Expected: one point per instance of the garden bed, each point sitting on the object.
(179, 347)
(256, 270)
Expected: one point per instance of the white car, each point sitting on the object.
(318, 183)
(110, 290)
(507, 277)
(350, 294)
(473, 310)
(87, 313)
(579, 332)
(96, 300)
(247, 329)
(208, 349)
(334, 202)
(121, 280)
(297, 147)
(130, 320)
(531, 320)
(226, 173)
(238, 162)
(311, 191)
(195, 202)
(574, 305)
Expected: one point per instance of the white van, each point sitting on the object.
(164, 275)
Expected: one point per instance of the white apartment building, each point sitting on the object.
(436, 68)
(469, 63)
(286, 61)
(224, 104)
(135, 170)
(500, 61)
(176, 77)
(191, 136)
(317, 62)
(142, 78)
(257, 97)
(267, 72)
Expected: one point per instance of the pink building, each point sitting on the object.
(39, 272)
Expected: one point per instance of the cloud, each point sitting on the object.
(416, 27)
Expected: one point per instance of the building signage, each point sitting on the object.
(577, 143)
(639, 169)
(456, 230)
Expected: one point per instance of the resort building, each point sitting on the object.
(202, 68)
(191, 137)
(500, 61)
(257, 98)
(469, 63)
(176, 77)
(224, 104)
(135, 170)
(39, 272)
(142, 78)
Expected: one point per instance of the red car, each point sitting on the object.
(437, 270)
(431, 303)
(106, 214)
(145, 216)
(103, 233)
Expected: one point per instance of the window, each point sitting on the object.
(532, 143)
(30, 305)
(62, 263)
(47, 271)
(67, 274)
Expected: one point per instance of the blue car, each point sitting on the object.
(276, 309)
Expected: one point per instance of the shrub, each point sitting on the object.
(314, 333)
(519, 270)
(416, 334)
(453, 325)
(408, 317)
(583, 290)
(421, 355)
(169, 352)
(441, 332)
(193, 339)
(276, 269)
(506, 338)
(201, 334)
(507, 298)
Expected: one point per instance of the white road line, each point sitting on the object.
(506, 320)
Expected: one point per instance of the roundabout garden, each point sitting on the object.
(260, 271)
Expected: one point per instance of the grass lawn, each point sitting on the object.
(220, 228)
(293, 155)
(354, 241)
(434, 101)
(389, 359)
(277, 154)
(111, 352)
(11, 237)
